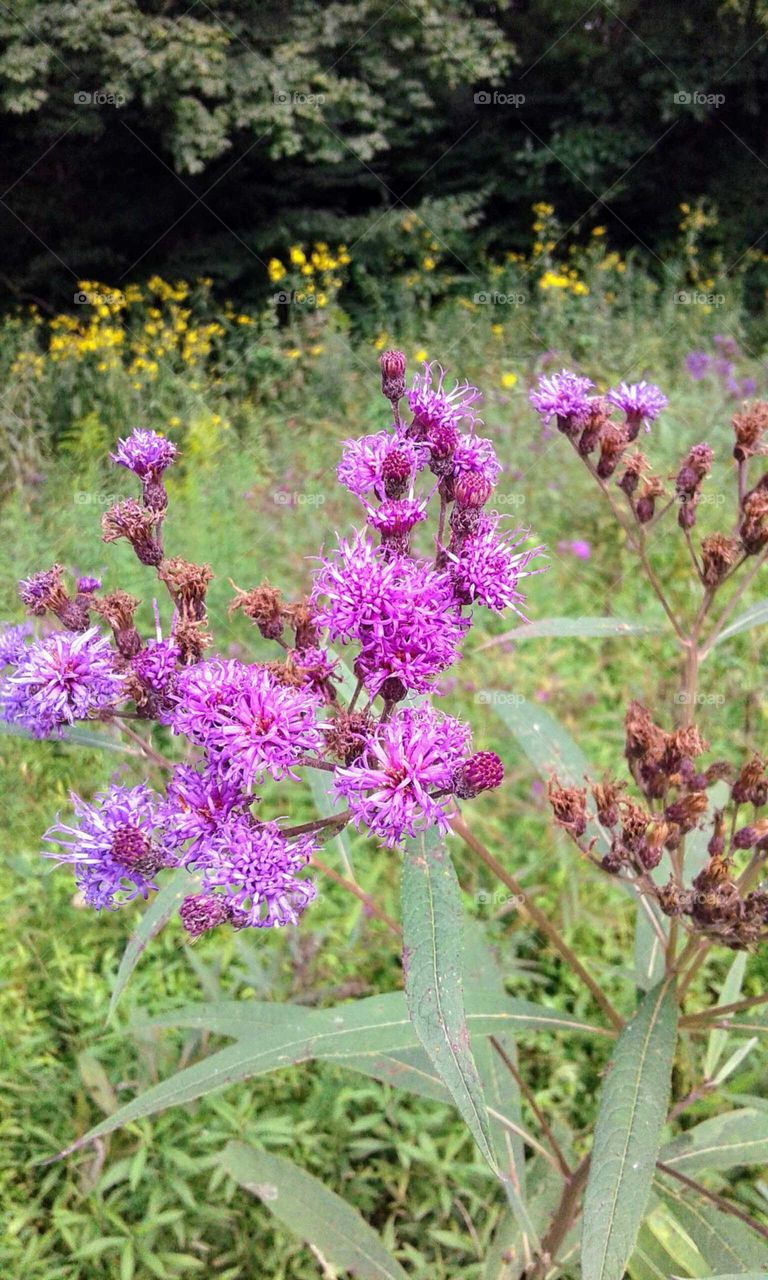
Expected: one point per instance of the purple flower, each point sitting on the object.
(155, 664)
(697, 363)
(248, 723)
(43, 591)
(475, 455)
(394, 787)
(196, 805)
(748, 388)
(563, 395)
(87, 585)
(485, 569)
(396, 517)
(642, 402)
(112, 849)
(726, 346)
(258, 867)
(67, 676)
(145, 453)
(434, 407)
(402, 612)
(13, 642)
(578, 548)
(363, 461)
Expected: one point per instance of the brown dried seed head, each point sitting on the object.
(569, 807)
(718, 554)
(264, 606)
(748, 427)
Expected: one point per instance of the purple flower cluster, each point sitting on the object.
(399, 596)
(721, 364)
(566, 397)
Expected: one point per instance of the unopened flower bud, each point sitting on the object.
(203, 911)
(135, 851)
(472, 489)
(392, 375)
(481, 772)
(393, 689)
(396, 473)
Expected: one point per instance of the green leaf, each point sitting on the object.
(722, 1239)
(381, 1023)
(80, 737)
(573, 627)
(729, 994)
(548, 746)
(633, 1108)
(432, 928)
(738, 1137)
(156, 916)
(312, 1212)
(752, 617)
(321, 793)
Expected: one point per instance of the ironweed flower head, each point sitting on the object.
(45, 592)
(112, 848)
(564, 396)
(147, 455)
(368, 461)
(641, 403)
(65, 677)
(13, 642)
(259, 870)
(401, 783)
(434, 407)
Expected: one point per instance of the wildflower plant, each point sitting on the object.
(351, 697)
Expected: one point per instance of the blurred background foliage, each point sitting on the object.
(164, 136)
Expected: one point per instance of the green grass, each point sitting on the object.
(151, 1200)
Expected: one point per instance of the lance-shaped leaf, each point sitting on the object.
(548, 746)
(432, 961)
(726, 1242)
(312, 1212)
(633, 1108)
(729, 994)
(158, 913)
(722, 1142)
(752, 617)
(573, 627)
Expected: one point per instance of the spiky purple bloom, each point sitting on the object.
(43, 590)
(564, 396)
(362, 463)
(396, 517)
(248, 722)
(258, 868)
(196, 804)
(112, 848)
(155, 664)
(486, 569)
(474, 455)
(393, 788)
(65, 677)
(13, 642)
(434, 407)
(402, 612)
(642, 402)
(145, 453)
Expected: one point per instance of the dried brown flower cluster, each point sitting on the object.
(723, 900)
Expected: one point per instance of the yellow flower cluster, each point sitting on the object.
(318, 272)
(566, 278)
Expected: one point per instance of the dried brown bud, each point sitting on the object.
(686, 811)
(45, 592)
(643, 737)
(264, 606)
(748, 427)
(606, 796)
(187, 584)
(597, 418)
(635, 468)
(718, 554)
(192, 639)
(695, 466)
(569, 807)
(118, 609)
(751, 785)
(613, 441)
(301, 617)
(753, 530)
(136, 523)
(347, 734)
